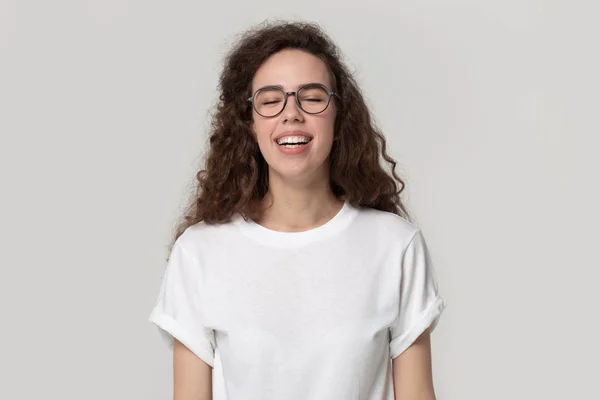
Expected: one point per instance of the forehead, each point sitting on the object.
(290, 69)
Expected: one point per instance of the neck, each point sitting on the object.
(294, 206)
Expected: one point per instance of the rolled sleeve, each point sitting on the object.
(420, 304)
(178, 312)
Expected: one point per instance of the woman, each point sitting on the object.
(297, 260)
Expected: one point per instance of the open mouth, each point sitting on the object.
(292, 142)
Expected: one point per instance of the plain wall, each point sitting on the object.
(490, 108)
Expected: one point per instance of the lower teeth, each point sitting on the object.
(293, 146)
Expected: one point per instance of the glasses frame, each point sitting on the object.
(287, 94)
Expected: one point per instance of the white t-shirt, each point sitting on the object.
(313, 315)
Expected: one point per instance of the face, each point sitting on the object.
(291, 69)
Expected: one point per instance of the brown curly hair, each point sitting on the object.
(235, 176)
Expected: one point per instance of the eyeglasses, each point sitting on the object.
(312, 98)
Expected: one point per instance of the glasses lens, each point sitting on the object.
(269, 102)
(313, 99)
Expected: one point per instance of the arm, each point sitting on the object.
(413, 372)
(192, 377)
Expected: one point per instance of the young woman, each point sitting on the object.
(297, 260)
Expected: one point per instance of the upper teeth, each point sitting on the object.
(293, 139)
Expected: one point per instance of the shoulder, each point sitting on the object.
(386, 224)
(202, 237)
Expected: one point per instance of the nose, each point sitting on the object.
(291, 111)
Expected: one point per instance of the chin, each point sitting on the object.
(297, 172)
(290, 173)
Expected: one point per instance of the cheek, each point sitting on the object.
(263, 130)
(327, 126)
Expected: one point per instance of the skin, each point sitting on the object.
(192, 377)
(300, 198)
(412, 371)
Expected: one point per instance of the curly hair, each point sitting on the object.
(235, 175)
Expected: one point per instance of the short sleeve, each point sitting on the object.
(420, 305)
(178, 312)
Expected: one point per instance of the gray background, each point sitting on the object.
(487, 105)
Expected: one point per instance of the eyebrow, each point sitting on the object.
(281, 87)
